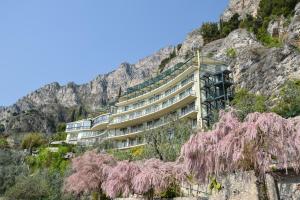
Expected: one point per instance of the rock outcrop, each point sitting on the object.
(241, 7)
(42, 109)
(256, 67)
(259, 69)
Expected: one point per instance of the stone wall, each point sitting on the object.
(279, 186)
(288, 187)
(234, 187)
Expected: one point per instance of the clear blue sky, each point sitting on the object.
(43, 41)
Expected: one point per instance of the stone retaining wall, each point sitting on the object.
(244, 186)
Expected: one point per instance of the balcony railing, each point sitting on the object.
(158, 97)
(77, 128)
(145, 127)
(162, 78)
(130, 144)
(154, 108)
(101, 120)
(72, 137)
(91, 134)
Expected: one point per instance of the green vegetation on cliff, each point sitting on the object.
(268, 10)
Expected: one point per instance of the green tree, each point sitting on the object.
(289, 100)
(32, 141)
(165, 142)
(11, 165)
(210, 31)
(53, 161)
(247, 102)
(61, 127)
(59, 136)
(32, 187)
(231, 25)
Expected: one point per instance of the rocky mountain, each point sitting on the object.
(242, 7)
(258, 68)
(44, 108)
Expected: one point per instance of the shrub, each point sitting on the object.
(53, 161)
(246, 102)
(3, 143)
(137, 153)
(31, 187)
(231, 25)
(231, 53)
(165, 143)
(276, 8)
(61, 127)
(289, 100)
(210, 32)
(60, 136)
(267, 39)
(33, 140)
(11, 166)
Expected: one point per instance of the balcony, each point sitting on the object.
(129, 144)
(72, 138)
(182, 85)
(79, 126)
(91, 135)
(100, 122)
(132, 132)
(159, 80)
(156, 110)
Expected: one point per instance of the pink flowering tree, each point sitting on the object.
(89, 171)
(119, 180)
(260, 142)
(155, 176)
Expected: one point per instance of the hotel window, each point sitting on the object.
(131, 116)
(139, 113)
(192, 106)
(168, 92)
(154, 98)
(148, 110)
(183, 82)
(172, 100)
(164, 104)
(184, 110)
(126, 108)
(124, 131)
(149, 124)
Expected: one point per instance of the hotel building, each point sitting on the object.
(193, 90)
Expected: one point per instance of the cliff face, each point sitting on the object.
(242, 7)
(261, 69)
(255, 67)
(42, 109)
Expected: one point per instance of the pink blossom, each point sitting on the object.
(119, 179)
(89, 171)
(261, 140)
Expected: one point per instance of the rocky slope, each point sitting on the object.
(261, 69)
(42, 109)
(242, 7)
(255, 67)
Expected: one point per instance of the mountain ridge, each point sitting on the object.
(258, 68)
